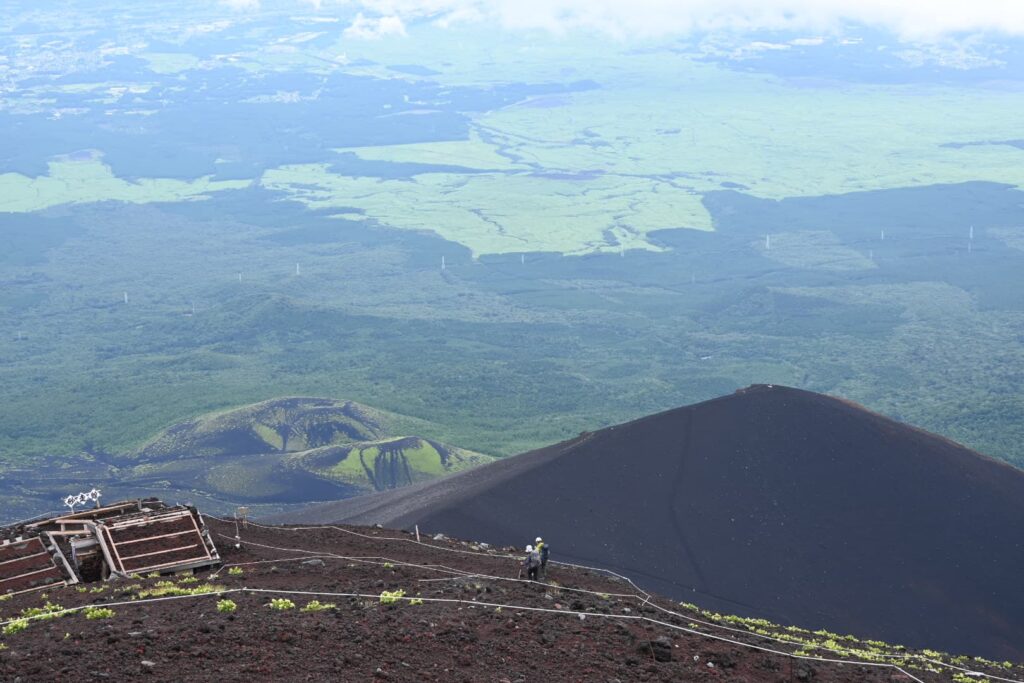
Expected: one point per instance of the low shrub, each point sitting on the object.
(281, 603)
(317, 606)
(98, 613)
(226, 606)
(15, 626)
(164, 588)
(48, 611)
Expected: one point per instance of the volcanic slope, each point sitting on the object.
(771, 502)
(295, 450)
(359, 604)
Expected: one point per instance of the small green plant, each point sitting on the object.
(82, 589)
(388, 565)
(98, 613)
(47, 611)
(281, 603)
(317, 606)
(391, 597)
(2, 647)
(189, 579)
(6, 596)
(97, 589)
(962, 678)
(226, 606)
(153, 575)
(162, 588)
(15, 626)
(135, 576)
(416, 601)
(236, 571)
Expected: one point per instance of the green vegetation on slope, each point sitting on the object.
(387, 463)
(278, 425)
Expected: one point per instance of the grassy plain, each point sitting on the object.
(75, 182)
(601, 209)
(601, 169)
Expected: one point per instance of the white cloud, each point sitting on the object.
(950, 54)
(374, 28)
(242, 5)
(911, 19)
(807, 41)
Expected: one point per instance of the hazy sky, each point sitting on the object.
(910, 19)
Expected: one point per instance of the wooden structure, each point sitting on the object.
(131, 537)
(167, 540)
(28, 564)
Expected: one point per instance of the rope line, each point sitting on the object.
(645, 602)
(644, 596)
(459, 573)
(459, 601)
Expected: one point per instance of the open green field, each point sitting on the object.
(625, 227)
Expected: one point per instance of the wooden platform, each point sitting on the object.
(27, 565)
(168, 540)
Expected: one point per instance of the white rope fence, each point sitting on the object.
(455, 601)
(643, 596)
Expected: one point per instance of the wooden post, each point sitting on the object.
(417, 533)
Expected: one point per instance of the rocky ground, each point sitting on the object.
(476, 622)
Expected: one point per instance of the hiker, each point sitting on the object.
(543, 551)
(531, 563)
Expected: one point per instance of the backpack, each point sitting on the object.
(544, 550)
(533, 560)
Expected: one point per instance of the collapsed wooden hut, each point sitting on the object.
(130, 537)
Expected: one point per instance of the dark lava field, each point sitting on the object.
(771, 502)
(476, 622)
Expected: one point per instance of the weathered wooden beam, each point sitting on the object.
(188, 563)
(51, 568)
(162, 552)
(25, 557)
(153, 538)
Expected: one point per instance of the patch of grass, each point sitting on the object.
(317, 606)
(391, 597)
(46, 612)
(15, 626)
(166, 588)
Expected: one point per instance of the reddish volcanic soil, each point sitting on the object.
(465, 636)
(772, 502)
